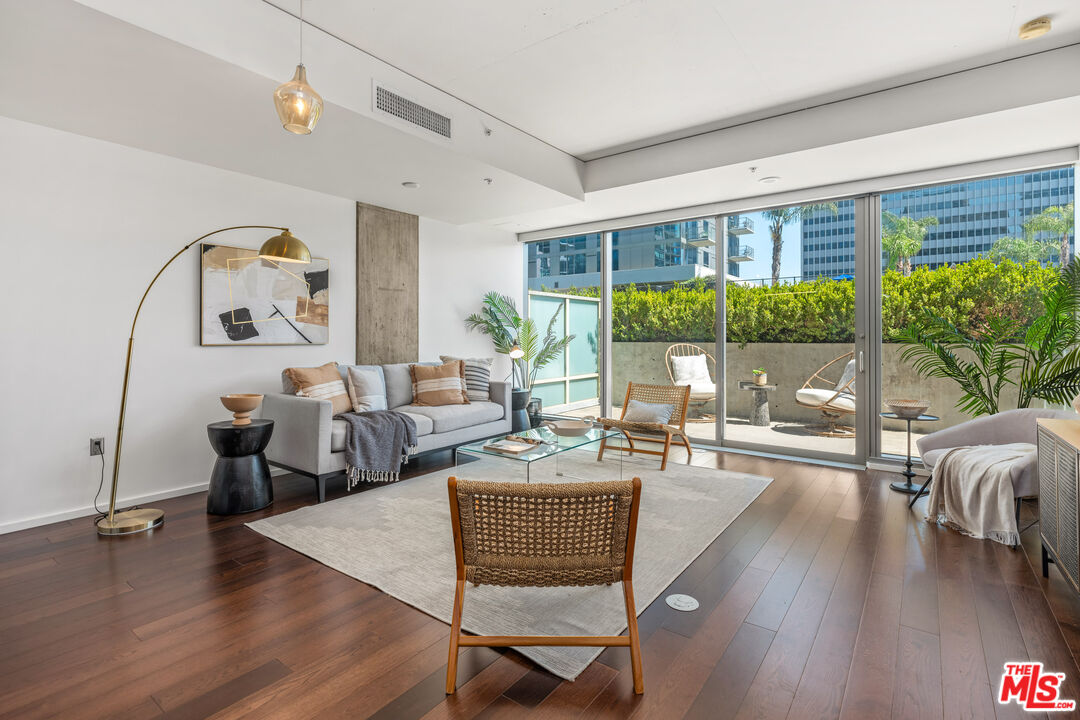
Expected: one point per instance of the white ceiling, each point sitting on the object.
(593, 77)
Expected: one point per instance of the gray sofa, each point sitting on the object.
(309, 441)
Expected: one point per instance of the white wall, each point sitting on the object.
(458, 264)
(84, 224)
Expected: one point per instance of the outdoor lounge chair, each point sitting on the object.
(835, 399)
(701, 392)
(544, 535)
(676, 395)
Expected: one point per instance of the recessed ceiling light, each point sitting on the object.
(769, 180)
(410, 184)
(1035, 28)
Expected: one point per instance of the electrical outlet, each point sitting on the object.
(97, 446)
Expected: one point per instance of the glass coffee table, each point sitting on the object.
(553, 445)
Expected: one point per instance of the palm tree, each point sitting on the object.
(778, 218)
(902, 238)
(1057, 221)
(1020, 250)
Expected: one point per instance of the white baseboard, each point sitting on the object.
(89, 511)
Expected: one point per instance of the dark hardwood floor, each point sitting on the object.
(826, 598)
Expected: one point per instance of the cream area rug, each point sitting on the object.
(398, 539)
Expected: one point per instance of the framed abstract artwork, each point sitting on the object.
(247, 300)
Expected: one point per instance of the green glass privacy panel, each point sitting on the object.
(586, 389)
(550, 394)
(583, 352)
(541, 309)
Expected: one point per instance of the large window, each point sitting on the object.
(816, 297)
(569, 303)
(968, 253)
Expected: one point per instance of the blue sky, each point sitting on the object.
(761, 265)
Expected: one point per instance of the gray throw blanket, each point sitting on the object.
(377, 444)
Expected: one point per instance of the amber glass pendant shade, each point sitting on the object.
(298, 105)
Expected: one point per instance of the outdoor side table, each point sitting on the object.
(759, 402)
(240, 481)
(907, 486)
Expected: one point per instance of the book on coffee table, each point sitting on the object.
(509, 447)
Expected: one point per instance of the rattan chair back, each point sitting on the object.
(544, 534)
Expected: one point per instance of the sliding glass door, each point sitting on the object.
(794, 331)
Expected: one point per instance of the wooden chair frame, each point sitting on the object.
(832, 414)
(631, 640)
(676, 427)
(691, 350)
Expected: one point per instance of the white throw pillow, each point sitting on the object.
(366, 387)
(637, 411)
(691, 370)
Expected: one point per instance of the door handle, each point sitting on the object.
(861, 367)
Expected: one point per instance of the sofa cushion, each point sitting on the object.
(814, 397)
(321, 383)
(399, 383)
(477, 376)
(446, 418)
(442, 385)
(367, 389)
(338, 429)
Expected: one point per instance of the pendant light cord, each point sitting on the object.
(301, 32)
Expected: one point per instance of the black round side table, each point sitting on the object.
(240, 481)
(907, 486)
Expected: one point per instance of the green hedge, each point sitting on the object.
(824, 310)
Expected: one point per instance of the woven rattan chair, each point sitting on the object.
(544, 535)
(700, 394)
(677, 395)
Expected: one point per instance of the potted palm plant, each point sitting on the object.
(520, 339)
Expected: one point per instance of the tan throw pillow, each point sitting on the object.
(321, 383)
(439, 384)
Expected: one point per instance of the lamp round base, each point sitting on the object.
(131, 521)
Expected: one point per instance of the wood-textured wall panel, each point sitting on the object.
(387, 285)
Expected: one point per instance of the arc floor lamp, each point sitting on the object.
(284, 247)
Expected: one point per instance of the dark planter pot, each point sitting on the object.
(519, 400)
(535, 409)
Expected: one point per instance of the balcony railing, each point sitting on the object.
(745, 253)
(738, 225)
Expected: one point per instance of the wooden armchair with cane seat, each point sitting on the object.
(678, 396)
(834, 398)
(544, 535)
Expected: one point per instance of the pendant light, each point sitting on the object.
(298, 105)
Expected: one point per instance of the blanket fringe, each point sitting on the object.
(1000, 536)
(358, 475)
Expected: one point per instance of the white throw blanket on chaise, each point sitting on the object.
(972, 491)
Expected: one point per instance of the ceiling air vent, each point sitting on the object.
(390, 103)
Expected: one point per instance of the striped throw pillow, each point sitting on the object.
(439, 384)
(477, 376)
(322, 383)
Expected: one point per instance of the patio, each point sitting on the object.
(783, 435)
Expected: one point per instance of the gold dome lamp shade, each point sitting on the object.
(285, 247)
